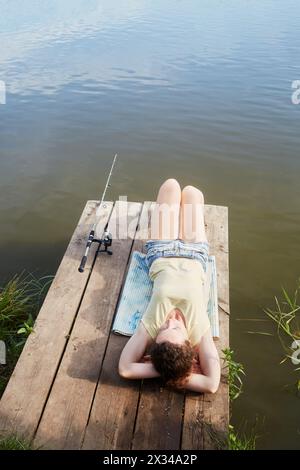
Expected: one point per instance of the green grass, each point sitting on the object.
(235, 374)
(20, 301)
(235, 440)
(286, 316)
(241, 441)
(14, 443)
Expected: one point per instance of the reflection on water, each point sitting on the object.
(197, 91)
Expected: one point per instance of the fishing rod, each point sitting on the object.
(106, 238)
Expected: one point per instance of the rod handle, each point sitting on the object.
(82, 264)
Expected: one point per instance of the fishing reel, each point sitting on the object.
(106, 241)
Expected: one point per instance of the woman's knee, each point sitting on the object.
(189, 192)
(171, 184)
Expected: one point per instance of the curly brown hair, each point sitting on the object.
(173, 362)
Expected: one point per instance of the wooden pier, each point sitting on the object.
(66, 393)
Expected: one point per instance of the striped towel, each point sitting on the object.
(137, 292)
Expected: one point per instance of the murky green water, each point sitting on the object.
(199, 91)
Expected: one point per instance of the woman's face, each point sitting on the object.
(173, 330)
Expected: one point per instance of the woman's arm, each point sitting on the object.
(138, 370)
(133, 352)
(201, 383)
(208, 381)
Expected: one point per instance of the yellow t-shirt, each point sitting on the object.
(178, 283)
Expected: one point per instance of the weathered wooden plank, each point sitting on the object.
(216, 407)
(26, 393)
(159, 419)
(206, 416)
(66, 414)
(112, 418)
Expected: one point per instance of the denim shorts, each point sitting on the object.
(176, 249)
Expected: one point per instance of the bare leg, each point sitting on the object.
(192, 227)
(165, 216)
